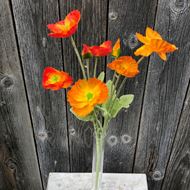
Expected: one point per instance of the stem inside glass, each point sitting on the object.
(98, 158)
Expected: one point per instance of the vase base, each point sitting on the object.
(110, 181)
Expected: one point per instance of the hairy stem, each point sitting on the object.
(95, 66)
(140, 60)
(88, 69)
(112, 93)
(113, 81)
(97, 120)
(121, 86)
(99, 153)
(78, 57)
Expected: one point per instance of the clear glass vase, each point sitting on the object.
(98, 160)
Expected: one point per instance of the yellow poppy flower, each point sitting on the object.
(153, 42)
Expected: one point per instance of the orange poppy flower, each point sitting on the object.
(86, 52)
(117, 49)
(86, 94)
(55, 80)
(153, 42)
(125, 65)
(66, 27)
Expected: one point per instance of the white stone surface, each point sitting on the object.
(82, 181)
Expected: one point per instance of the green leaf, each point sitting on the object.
(87, 118)
(110, 87)
(112, 107)
(122, 102)
(108, 103)
(126, 100)
(101, 76)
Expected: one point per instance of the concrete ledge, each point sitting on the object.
(82, 181)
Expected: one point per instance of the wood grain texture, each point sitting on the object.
(18, 160)
(125, 19)
(63, 142)
(47, 107)
(165, 92)
(178, 169)
(92, 30)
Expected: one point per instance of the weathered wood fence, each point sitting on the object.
(39, 135)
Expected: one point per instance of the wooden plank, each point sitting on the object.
(47, 107)
(177, 174)
(92, 30)
(18, 160)
(110, 181)
(165, 92)
(125, 19)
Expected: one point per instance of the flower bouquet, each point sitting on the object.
(91, 98)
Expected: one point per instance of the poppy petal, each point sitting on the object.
(117, 49)
(142, 38)
(150, 33)
(67, 27)
(144, 50)
(86, 94)
(163, 56)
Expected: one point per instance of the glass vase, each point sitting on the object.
(98, 160)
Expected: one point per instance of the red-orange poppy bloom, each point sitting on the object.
(66, 27)
(86, 94)
(153, 42)
(86, 52)
(54, 79)
(117, 49)
(125, 65)
(102, 50)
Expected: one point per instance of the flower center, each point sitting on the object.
(89, 96)
(55, 78)
(125, 65)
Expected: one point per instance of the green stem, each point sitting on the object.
(113, 81)
(121, 86)
(100, 108)
(116, 83)
(98, 159)
(112, 93)
(119, 90)
(105, 127)
(140, 60)
(99, 149)
(97, 120)
(88, 69)
(78, 56)
(95, 66)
